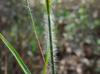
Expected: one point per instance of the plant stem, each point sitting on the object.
(50, 36)
(33, 26)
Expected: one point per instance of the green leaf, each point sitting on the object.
(16, 55)
(46, 62)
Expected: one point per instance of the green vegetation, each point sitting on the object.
(74, 27)
(16, 55)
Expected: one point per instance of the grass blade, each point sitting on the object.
(46, 62)
(34, 29)
(16, 55)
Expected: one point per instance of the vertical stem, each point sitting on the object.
(50, 37)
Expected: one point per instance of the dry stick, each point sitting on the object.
(50, 37)
(33, 24)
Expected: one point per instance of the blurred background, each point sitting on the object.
(77, 24)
